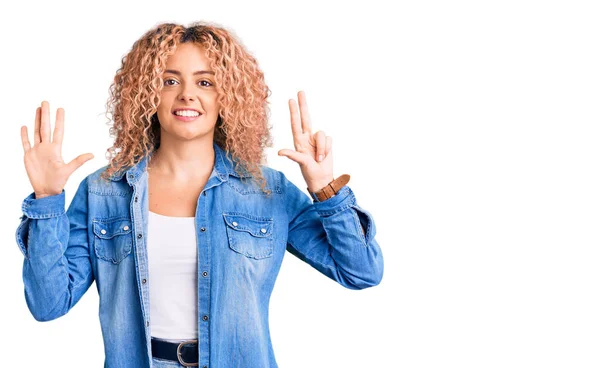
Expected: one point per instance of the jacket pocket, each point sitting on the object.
(112, 238)
(249, 235)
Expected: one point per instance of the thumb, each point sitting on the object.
(79, 160)
(293, 155)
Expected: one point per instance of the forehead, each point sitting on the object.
(188, 56)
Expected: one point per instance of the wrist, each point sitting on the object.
(42, 195)
(319, 185)
(331, 189)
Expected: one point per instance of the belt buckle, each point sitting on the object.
(185, 364)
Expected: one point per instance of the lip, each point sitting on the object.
(186, 118)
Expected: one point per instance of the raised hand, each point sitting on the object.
(45, 167)
(313, 152)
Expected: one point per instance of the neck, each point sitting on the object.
(183, 160)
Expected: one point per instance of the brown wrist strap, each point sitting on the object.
(330, 189)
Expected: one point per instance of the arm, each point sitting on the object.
(335, 236)
(56, 269)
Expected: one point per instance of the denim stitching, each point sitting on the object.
(107, 192)
(343, 207)
(277, 189)
(334, 211)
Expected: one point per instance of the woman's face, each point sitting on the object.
(189, 85)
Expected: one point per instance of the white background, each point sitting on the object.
(470, 130)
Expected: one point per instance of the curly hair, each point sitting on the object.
(242, 127)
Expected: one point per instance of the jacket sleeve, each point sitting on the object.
(56, 269)
(336, 236)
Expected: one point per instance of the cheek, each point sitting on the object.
(163, 113)
(162, 107)
(211, 104)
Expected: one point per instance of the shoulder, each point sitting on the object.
(278, 180)
(98, 185)
(270, 174)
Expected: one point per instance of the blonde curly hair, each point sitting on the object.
(242, 126)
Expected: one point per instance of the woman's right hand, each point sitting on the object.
(45, 167)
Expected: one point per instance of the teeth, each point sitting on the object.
(186, 113)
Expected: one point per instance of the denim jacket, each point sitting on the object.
(242, 236)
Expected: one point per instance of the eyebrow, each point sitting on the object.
(195, 73)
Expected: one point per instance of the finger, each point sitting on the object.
(304, 115)
(45, 126)
(78, 161)
(295, 118)
(25, 139)
(328, 146)
(321, 143)
(293, 155)
(36, 130)
(57, 136)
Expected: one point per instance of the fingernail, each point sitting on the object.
(320, 157)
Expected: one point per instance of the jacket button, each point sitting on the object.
(203, 229)
(205, 318)
(135, 199)
(139, 236)
(143, 281)
(234, 223)
(204, 273)
(263, 230)
(126, 228)
(103, 231)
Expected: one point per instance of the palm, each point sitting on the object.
(45, 167)
(47, 171)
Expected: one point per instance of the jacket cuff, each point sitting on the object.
(339, 202)
(43, 208)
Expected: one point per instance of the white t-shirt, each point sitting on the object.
(173, 277)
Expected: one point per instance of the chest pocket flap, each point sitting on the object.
(112, 238)
(249, 235)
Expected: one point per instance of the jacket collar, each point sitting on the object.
(223, 167)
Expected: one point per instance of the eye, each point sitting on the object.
(206, 83)
(169, 80)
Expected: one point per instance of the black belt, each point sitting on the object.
(185, 352)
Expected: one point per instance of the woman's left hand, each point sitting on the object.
(313, 152)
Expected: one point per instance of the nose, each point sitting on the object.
(185, 96)
(187, 93)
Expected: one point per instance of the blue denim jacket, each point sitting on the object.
(242, 237)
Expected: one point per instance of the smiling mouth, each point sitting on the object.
(186, 116)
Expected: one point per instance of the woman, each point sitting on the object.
(185, 230)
